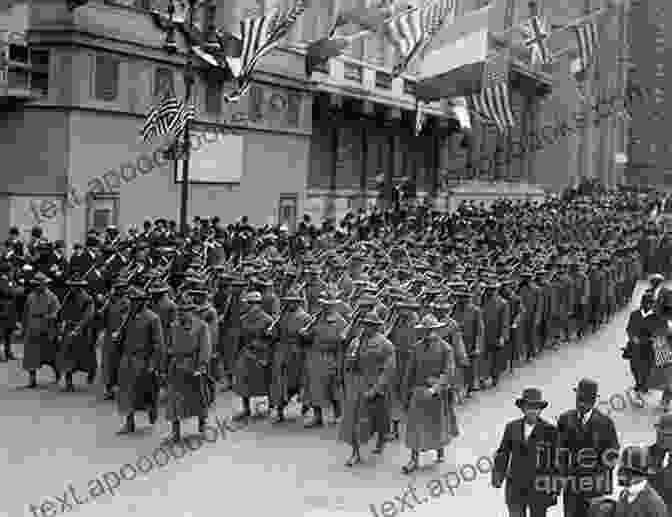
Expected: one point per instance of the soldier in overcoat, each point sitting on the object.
(529, 298)
(162, 305)
(288, 367)
(369, 370)
(206, 311)
(469, 317)
(252, 370)
(186, 359)
(431, 421)
(114, 314)
(141, 344)
(8, 312)
(517, 313)
(77, 350)
(230, 325)
(39, 324)
(496, 322)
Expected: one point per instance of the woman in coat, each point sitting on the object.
(186, 358)
(661, 331)
(369, 370)
(431, 421)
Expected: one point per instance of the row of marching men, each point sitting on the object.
(408, 350)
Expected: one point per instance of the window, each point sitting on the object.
(653, 148)
(213, 97)
(164, 82)
(143, 4)
(383, 80)
(18, 53)
(353, 72)
(106, 82)
(39, 80)
(293, 109)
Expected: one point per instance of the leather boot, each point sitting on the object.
(32, 381)
(175, 434)
(440, 455)
(317, 420)
(355, 457)
(413, 464)
(69, 386)
(129, 425)
(380, 444)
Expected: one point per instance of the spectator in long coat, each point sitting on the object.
(39, 324)
(638, 498)
(142, 342)
(77, 351)
(369, 370)
(586, 429)
(525, 459)
(114, 315)
(431, 421)
(638, 349)
(186, 357)
(661, 375)
(252, 368)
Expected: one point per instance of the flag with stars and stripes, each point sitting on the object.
(536, 31)
(184, 114)
(160, 118)
(411, 32)
(493, 102)
(259, 36)
(587, 42)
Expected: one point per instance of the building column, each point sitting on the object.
(335, 117)
(363, 183)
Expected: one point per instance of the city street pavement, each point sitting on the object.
(54, 439)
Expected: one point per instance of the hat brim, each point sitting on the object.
(535, 404)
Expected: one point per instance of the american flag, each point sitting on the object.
(184, 114)
(587, 40)
(259, 36)
(413, 30)
(493, 102)
(537, 40)
(160, 118)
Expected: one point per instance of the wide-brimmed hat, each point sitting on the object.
(186, 305)
(159, 288)
(657, 277)
(330, 298)
(533, 398)
(120, 284)
(664, 423)
(77, 282)
(371, 318)
(292, 296)
(430, 322)
(40, 278)
(135, 293)
(586, 390)
(253, 297)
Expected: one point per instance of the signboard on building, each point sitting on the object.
(214, 159)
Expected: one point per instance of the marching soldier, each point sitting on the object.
(39, 324)
(141, 339)
(230, 330)
(114, 315)
(288, 357)
(207, 312)
(496, 321)
(8, 311)
(517, 316)
(431, 421)
(369, 370)
(254, 358)
(186, 361)
(470, 320)
(77, 350)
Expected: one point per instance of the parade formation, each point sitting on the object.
(385, 322)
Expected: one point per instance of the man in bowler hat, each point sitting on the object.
(638, 498)
(587, 446)
(525, 459)
(660, 461)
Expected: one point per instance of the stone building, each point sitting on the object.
(75, 99)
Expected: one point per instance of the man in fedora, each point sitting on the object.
(638, 498)
(77, 347)
(525, 459)
(39, 324)
(660, 461)
(587, 444)
(431, 421)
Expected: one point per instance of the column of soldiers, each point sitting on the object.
(382, 320)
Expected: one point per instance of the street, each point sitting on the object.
(54, 440)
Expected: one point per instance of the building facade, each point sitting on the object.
(74, 106)
(650, 147)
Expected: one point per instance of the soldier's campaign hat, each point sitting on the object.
(198, 291)
(262, 282)
(462, 294)
(367, 300)
(330, 298)
(253, 297)
(77, 282)
(656, 278)
(531, 398)
(586, 390)
(372, 318)
(238, 283)
(634, 461)
(292, 296)
(136, 293)
(40, 278)
(159, 288)
(408, 304)
(120, 284)
(430, 322)
(186, 305)
(664, 423)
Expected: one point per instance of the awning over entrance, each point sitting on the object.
(454, 63)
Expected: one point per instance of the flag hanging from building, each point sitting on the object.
(536, 30)
(169, 117)
(493, 102)
(587, 41)
(420, 117)
(259, 36)
(411, 32)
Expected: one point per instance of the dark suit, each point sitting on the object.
(586, 455)
(648, 503)
(661, 479)
(639, 350)
(527, 466)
